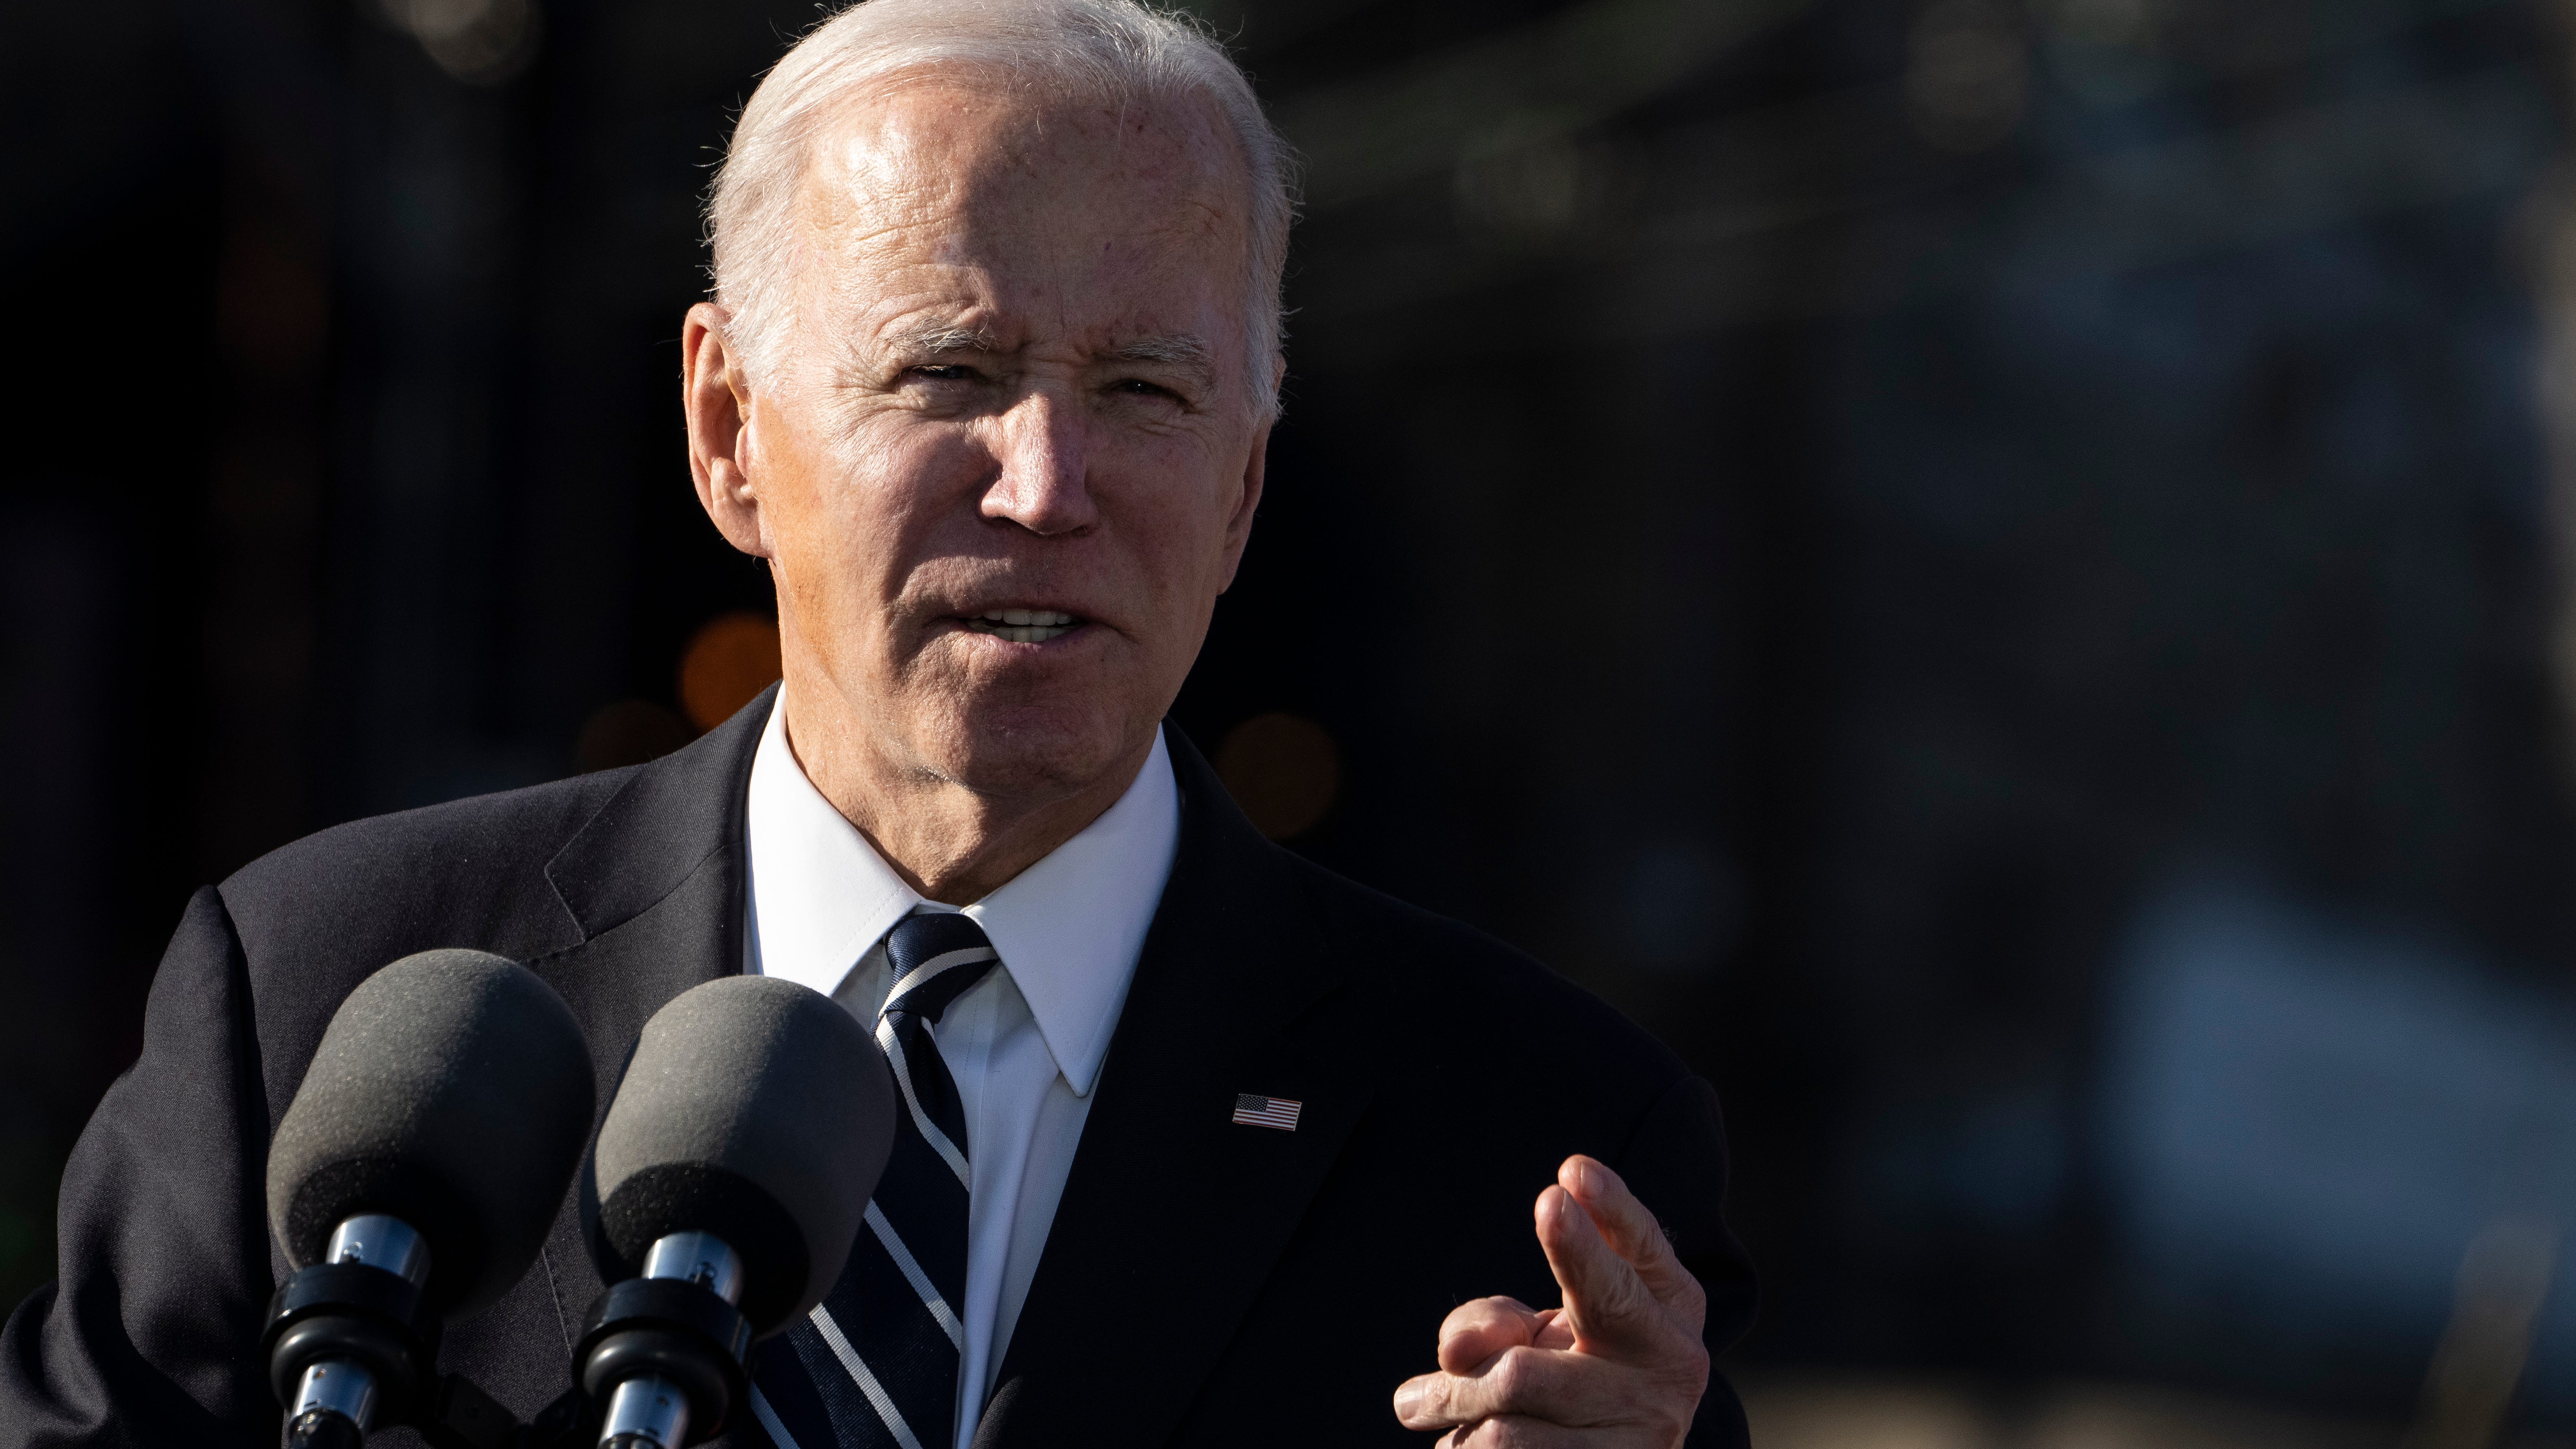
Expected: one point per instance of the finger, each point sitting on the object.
(1422, 1402)
(1553, 1330)
(1633, 1233)
(1554, 1386)
(1477, 1330)
(1606, 1303)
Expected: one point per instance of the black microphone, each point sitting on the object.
(734, 1171)
(414, 1176)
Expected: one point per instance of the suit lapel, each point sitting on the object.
(1172, 1215)
(655, 881)
(669, 819)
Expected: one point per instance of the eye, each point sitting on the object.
(1139, 387)
(943, 372)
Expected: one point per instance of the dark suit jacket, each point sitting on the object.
(1204, 1283)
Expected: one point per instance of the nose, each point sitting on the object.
(1043, 485)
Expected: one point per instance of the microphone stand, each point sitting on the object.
(350, 1350)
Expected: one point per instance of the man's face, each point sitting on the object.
(1009, 459)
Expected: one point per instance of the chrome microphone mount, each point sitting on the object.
(663, 1353)
(351, 1340)
(352, 1347)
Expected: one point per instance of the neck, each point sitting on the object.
(950, 843)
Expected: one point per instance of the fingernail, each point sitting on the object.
(1407, 1399)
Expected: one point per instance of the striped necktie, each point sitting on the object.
(875, 1364)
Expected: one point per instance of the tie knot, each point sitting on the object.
(936, 956)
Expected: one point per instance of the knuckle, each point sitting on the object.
(1513, 1378)
(1474, 1316)
(1629, 1296)
(1691, 1299)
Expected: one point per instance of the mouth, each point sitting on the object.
(1022, 626)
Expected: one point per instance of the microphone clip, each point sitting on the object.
(349, 1341)
(660, 1364)
(672, 1337)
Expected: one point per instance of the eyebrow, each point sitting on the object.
(1177, 349)
(939, 340)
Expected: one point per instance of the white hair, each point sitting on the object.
(1121, 50)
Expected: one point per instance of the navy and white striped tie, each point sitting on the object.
(876, 1363)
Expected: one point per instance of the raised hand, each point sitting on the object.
(1620, 1363)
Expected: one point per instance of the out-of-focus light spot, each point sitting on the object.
(1528, 182)
(1967, 74)
(480, 42)
(1283, 771)
(629, 732)
(731, 659)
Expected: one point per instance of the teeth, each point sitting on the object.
(1023, 626)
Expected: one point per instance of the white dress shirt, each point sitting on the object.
(1024, 1044)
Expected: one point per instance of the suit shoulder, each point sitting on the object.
(471, 870)
(1485, 989)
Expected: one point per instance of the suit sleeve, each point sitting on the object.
(150, 1334)
(1676, 1165)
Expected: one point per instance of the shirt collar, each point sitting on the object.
(1068, 928)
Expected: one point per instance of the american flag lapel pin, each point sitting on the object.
(1279, 1112)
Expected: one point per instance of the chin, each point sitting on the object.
(1010, 750)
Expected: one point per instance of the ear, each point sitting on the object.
(1238, 526)
(716, 397)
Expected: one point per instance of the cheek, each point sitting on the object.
(862, 501)
(1176, 496)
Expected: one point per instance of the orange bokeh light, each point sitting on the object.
(729, 661)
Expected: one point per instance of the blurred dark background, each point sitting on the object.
(1988, 568)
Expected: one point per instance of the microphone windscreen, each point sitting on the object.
(759, 1111)
(452, 1090)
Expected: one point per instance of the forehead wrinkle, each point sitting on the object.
(875, 188)
(894, 144)
(1175, 145)
(846, 225)
(838, 230)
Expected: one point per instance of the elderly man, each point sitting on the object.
(987, 382)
